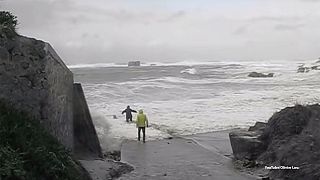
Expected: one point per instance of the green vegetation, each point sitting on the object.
(8, 23)
(27, 151)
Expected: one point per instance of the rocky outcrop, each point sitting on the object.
(260, 75)
(246, 144)
(134, 63)
(34, 79)
(85, 135)
(304, 68)
(290, 139)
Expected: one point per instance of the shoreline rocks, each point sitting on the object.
(260, 75)
(291, 138)
(305, 68)
(134, 63)
(247, 144)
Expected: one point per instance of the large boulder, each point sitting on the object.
(260, 75)
(246, 145)
(291, 139)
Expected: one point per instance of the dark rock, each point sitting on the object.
(246, 145)
(291, 138)
(105, 169)
(25, 65)
(4, 54)
(115, 155)
(260, 75)
(302, 69)
(116, 172)
(259, 126)
(134, 63)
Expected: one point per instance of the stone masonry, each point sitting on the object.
(34, 79)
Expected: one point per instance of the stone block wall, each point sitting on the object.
(34, 79)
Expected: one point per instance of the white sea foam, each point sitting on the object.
(96, 65)
(194, 63)
(189, 71)
(217, 97)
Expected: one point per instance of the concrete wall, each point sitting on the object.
(34, 79)
(59, 106)
(86, 140)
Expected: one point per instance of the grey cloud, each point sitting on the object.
(288, 27)
(241, 30)
(37, 13)
(173, 16)
(115, 31)
(311, 0)
(275, 19)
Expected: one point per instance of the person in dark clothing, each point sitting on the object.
(128, 113)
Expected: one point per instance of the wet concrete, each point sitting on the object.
(204, 156)
(105, 169)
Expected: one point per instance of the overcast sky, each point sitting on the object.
(102, 31)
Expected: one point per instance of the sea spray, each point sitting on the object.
(108, 143)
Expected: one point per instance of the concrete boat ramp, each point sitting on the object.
(204, 156)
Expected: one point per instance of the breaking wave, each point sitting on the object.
(189, 71)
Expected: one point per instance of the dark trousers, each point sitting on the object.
(128, 118)
(143, 133)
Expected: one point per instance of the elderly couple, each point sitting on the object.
(142, 121)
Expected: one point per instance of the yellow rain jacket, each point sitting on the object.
(142, 120)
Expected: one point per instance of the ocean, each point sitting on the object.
(190, 97)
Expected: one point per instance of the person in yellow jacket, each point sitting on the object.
(142, 123)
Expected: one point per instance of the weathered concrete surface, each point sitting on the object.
(105, 169)
(34, 79)
(180, 158)
(85, 136)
